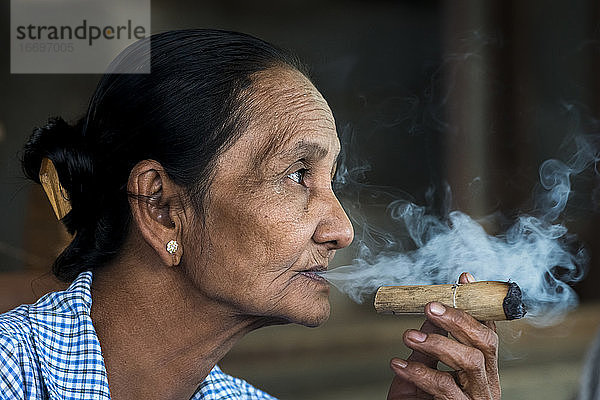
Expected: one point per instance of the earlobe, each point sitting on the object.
(175, 250)
(152, 196)
(172, 246)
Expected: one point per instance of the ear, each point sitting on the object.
(156, 208)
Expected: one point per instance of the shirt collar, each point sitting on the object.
(66, 343)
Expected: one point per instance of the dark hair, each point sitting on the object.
(183, 114)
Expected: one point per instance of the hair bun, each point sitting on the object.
(64, 145)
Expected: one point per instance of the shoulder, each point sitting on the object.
(219, 385)
(15, 323)
(19, 323)
(18, 367)
(21, 374)
(31, 333)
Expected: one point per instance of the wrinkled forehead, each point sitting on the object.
(287, 109)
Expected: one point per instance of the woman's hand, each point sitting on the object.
(473, 356)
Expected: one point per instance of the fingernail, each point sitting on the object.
(437, 309)
(400, 363)
(417, 336)
(470, 278)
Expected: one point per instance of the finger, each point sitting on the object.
(452, 353)
(439, 384)
(430, 327)
(492, 368)
(470, 332)
(491, 325)
(469, 361)
(464, 328)
(404, 389)
(427, 328)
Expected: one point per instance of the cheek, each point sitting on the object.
(286, 221)
(259, 234)
(255, 244)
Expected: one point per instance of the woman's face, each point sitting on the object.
(271, 216)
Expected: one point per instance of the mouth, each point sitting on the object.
(314, 273)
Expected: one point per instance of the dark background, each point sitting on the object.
(475, 94)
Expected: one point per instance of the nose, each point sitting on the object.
(334, 228)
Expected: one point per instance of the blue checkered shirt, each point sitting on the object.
(50, 350)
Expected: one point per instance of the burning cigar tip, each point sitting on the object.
(484, 300)
(513, 302)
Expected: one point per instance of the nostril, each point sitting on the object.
(336, 233)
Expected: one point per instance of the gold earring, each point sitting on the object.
(172, 246)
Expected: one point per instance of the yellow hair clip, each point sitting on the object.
(54, 190)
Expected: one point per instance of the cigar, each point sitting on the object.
(484, 300)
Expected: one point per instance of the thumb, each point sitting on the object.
(466, 277)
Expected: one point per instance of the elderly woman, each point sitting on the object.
(201, 209)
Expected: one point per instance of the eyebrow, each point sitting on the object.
(308, 150)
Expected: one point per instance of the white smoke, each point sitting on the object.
(535, 252)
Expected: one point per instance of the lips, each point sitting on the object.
(313, 273)
(316, 268)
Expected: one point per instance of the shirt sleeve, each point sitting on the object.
(11, 370)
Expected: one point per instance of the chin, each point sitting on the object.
(303, 306)
(317, 316)
(315, 322)
(311, 314)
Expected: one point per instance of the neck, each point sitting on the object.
(158, 332)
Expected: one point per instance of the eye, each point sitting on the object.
(298, 176)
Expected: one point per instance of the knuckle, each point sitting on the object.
(459, 318)
(489, 342)
(492, 338)
(444, 383)
(419, 370)
(474, 361)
